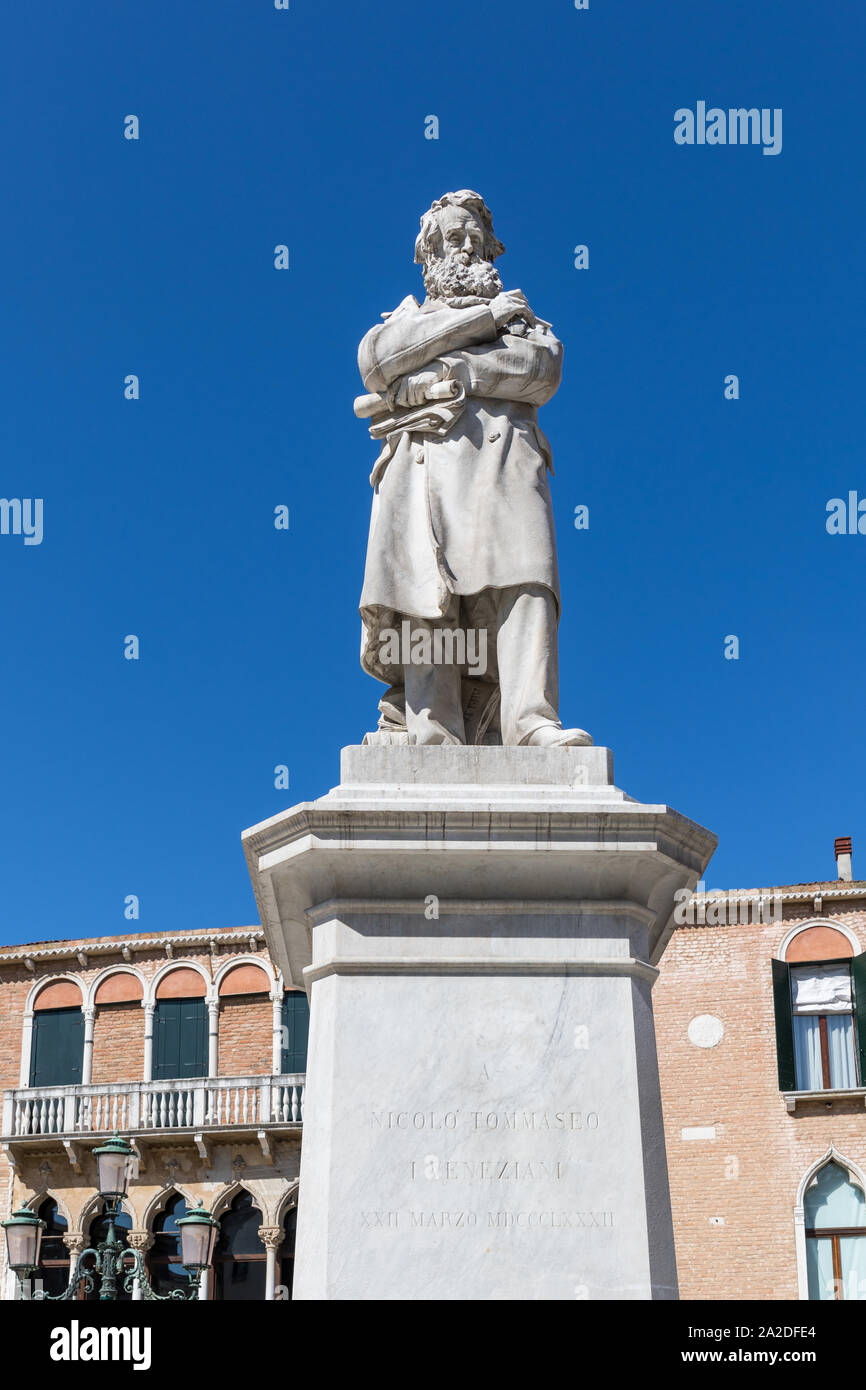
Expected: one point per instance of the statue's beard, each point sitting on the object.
(447, 278)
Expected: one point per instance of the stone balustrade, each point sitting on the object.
(141, 1106)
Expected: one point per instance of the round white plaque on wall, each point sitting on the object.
(706, 1030)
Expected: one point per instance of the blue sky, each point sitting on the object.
(155, 257)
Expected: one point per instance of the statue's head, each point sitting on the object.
(457, 248)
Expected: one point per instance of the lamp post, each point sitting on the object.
(113, 1165)
(23, 1241)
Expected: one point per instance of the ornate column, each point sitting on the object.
(213, 1028)
(271, 1238)
(75, 1242)
(277, 1006)
(148, 1040)
(87, 1063)
(140, 1241)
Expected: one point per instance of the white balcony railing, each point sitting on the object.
(153, 1105)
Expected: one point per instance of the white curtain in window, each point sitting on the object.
(821, 989)
(819, 1266)
(853, 1252)
(807, 1053)
(840, 1040)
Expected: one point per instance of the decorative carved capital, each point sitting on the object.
(140, 1240)
(75, 1242)
(271, 1237)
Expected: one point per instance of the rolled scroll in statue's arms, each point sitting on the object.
(412, 337)
(526, 369)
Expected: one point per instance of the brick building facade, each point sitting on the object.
(761, 1030)
(190, 1045)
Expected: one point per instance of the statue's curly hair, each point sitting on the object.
(464, 198)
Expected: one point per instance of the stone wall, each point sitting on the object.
(118, 1042)
(118, 1051)
(246, 1028)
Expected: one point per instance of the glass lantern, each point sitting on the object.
(197, 1237)
(113, 1166)
(23, 1240)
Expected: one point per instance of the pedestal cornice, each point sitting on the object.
(560, 835)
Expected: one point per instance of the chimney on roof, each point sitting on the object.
(842, 847)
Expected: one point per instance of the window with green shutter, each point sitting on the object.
(296, 1031)
(57, 1048)
(858, 979)
(784, 1025)
(179, 1039)
(820, 1009)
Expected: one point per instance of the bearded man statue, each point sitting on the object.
(460, 603)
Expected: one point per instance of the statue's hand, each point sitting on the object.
(412, 390)
(511, 304)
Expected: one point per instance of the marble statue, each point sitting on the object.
(460, 603)
(476, 911)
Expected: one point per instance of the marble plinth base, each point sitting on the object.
(477, 929)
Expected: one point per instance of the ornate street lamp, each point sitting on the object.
(113, 1169)
(198, 1232)
(113, 1262)
(23, 1241)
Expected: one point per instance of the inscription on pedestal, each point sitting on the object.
(489, 1170)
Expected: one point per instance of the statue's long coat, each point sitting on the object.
(455, 515)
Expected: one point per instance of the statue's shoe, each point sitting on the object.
(552, 736)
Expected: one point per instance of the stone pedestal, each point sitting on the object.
(477, 928)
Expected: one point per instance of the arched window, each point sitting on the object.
(98, 1233)
(287, 1251)
(163, 1260)
(835, 1217)
(239, 1262)
(819, 993)
(53, 1270)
